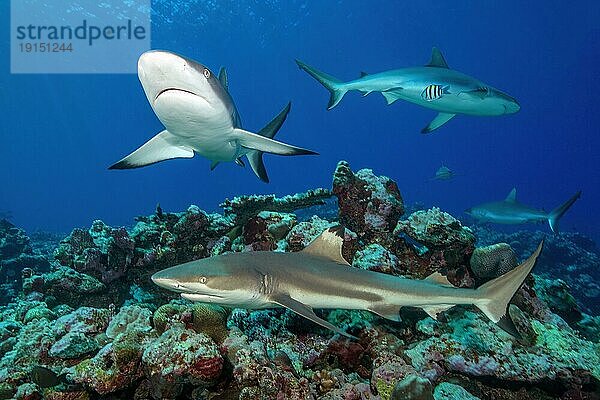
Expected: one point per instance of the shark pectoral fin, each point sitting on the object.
(433, 311)
(328, 245)
(392, 95)
(253, 141)
(440, 279)
(213, 165)
(305, 311)
(255, 157)
(161, 147)
(438, 121)
(390, 312)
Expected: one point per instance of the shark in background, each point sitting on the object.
(443, 173)
(320, 277)
(434, 86)
(201, 118)
(509, 211)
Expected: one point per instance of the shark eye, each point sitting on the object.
(202, 280)
(206, 73)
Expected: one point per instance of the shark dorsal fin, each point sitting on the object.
(223, 78)
(437, 59)
(438, 278)
(512, 196)
(328, 245)
(363, 74)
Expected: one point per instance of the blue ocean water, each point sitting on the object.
(61, 132)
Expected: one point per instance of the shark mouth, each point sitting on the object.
(176, 90)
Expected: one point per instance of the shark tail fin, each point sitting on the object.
(269, 131)
(497, 293)
(556, 214)
(335, 86)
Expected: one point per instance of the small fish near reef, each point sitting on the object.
(200, 117)
(320, 277)
(509, 212)
(434, 86)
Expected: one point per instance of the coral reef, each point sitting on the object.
(369, 205)
(571, 256)
(242, 208)
(17, 258)
(492, 261)
(92, 319)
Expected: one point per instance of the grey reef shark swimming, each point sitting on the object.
(200, 117)
(509, 211)
(320, 277)
(434, 86)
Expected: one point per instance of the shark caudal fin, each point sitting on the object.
(558, 212)
(269, 131)
(160, 148)
(497, 293)
(334, 85)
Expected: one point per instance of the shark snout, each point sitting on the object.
(164, 281)
(511, 105)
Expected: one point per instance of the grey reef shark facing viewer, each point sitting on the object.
(320, 277)
(443, 173)
(200, 117)
(509, 212)
(434, 86)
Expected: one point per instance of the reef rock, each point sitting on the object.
(369, 205)
(448, 245)
(475, 347)
(492, 261)
(16, 255)
(181, 356)
(242, 208)
(103, 252)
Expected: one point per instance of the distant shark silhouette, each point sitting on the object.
(320, 277)
(443, 173)
(433, 86)
(200, 116)
(510, 211)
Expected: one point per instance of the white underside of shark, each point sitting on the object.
(200, 117)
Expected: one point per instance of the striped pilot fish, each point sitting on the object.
(434, 92)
